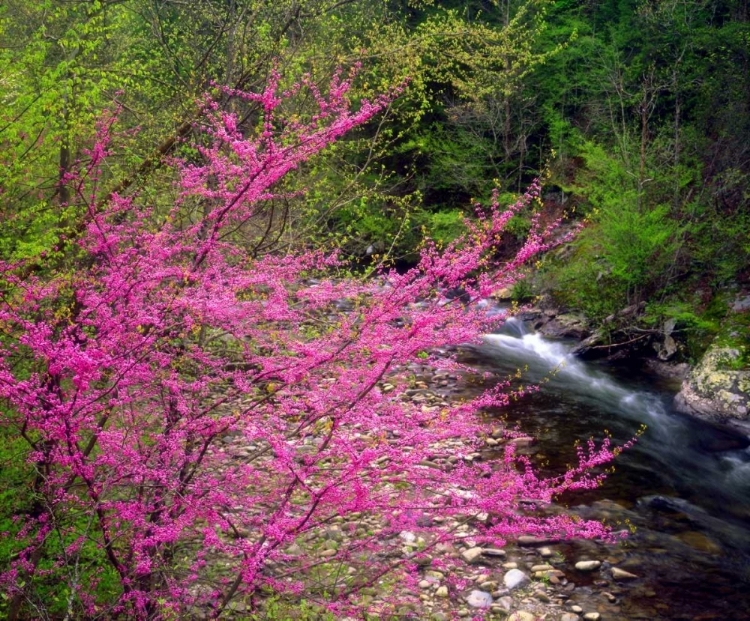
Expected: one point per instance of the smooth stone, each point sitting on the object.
(479, 599)
(588, 565)
(528, 540)
(505, 602)
(425, 584)
(569, 616)
(515, 578)
(493, 552)
(523, 441)
(510, 565)
(407, 537)
(576, 609)
(592, 616)
(545, 552)
(522, 615)
(328, 553)
(621, 574)
(472, 555)
(544, 567)
(441, 591)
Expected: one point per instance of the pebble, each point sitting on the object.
(621, 574)
(588, 565)
(545, 552)
(472, 555)
(592, 616)
(528, 540)
(544, 567)
(569, 616)
(523, 441)
(493, 552)
(479, 599)
(510, 565)
(515, 578)
(522, 615)
(505, 603)
(425, 584)
(576, 609)
(441, 591)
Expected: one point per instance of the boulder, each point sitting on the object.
(718, 388)
(566, 325)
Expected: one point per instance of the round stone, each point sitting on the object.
(479, 599)
(588, 565)
(515, 578)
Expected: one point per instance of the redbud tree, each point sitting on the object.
(195, 415)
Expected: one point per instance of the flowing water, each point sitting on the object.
(684, 486)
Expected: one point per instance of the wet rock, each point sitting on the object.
(515, 578)
(621, 574)
(699, 541)
(588, 565)
(479, 599)
(522, 442)
(566, 325)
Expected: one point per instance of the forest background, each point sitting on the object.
(636, 112)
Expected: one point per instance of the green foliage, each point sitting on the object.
(445, 226)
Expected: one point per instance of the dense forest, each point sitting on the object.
(635, 114)
(614, 134)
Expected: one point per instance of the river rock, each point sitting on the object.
(567, 325)
(497, 552)
(718, 388)
(621, 574)
(472, 555)
(544, 567)
(515, 578)
(570, 616)
(479, 599)
(528, 540)
(441, 591)
(592, 616)
(522, 615)
(588, 565)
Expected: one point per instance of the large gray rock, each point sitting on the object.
(718, 388)
(567, 325)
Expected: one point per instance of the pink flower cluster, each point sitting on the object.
(192, 411)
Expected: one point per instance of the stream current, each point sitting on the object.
(684, 488)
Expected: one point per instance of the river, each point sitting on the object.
(684, 487)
